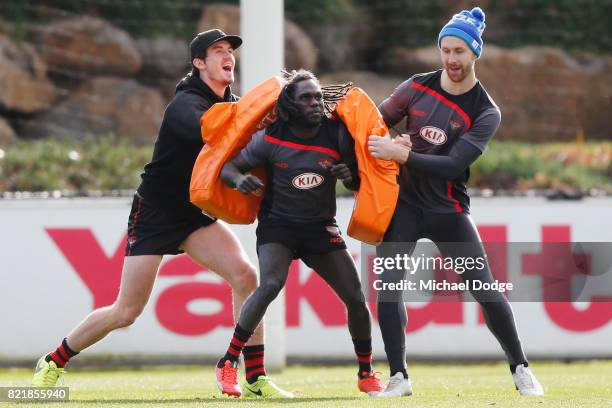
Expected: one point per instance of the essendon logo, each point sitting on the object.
(307, 180)
(417, 112)
(433, 135)
(326, 163)
(267, 120)
(455, 123)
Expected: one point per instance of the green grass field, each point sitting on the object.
(583, 384)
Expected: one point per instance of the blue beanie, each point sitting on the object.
(467, 25)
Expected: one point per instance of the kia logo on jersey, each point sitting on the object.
(307, 180)
(433, 135)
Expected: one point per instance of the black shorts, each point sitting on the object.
(302, 239)
(153, 230)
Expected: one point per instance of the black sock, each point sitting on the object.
(513, 366)
(403, 371)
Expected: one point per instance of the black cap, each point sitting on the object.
(205, 39)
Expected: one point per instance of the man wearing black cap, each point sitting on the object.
(163, 220)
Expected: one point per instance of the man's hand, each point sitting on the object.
(342, 172)
(248, 184)
(404, 140)
(382, 147)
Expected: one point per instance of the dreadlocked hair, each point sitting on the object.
(332, 94)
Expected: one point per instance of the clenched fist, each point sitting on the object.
(248, 184)
(342, 172)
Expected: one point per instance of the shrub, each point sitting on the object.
(108, 163)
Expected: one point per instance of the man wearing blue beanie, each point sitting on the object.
(450, 118)
(467, 25)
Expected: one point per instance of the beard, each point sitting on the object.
(305, 120)
(459, 76)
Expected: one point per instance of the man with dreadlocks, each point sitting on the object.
(304, 152)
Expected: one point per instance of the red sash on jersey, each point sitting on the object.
(226, 128)
(229, 127)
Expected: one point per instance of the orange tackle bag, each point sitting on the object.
(226, 128)
(378, 192)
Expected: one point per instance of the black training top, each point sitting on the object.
(165, 180)
(440, 124)
(301, 188)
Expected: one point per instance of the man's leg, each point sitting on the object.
(274, 260)
(338, 269)
(401, 236)
(217, 248)
(137, 280)
(457, 236)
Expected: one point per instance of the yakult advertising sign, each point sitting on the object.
(63, 258)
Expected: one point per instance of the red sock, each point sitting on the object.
(363, 349)
(254, 362)
(236, 345)
(62, 354)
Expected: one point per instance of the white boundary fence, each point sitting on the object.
(61, 257)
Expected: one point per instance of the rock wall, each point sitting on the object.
(81, 76)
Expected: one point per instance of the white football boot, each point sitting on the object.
(526, 383)
(398, 386)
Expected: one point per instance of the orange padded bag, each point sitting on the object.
(377, 196)
(226, 128)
